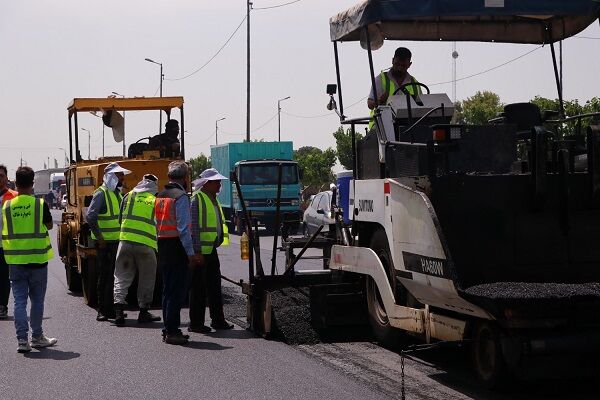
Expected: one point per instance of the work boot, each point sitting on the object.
(145, 316)
(101, 317)
(176, 338)
(119, 315)
(24, 346)
(221, 325)
(200, 329)
(43, 341)
(3, 312)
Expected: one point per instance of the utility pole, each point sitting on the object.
(248, 71)
(217, 129)
(162, 77)
(279, 117)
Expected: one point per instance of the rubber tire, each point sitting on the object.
(486, 356)
(73, 278)
(384, 332)
(89, 283)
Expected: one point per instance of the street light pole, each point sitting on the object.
(66, 158)
(162, 77)
(89, 138)
(279, 117)
(217, 129)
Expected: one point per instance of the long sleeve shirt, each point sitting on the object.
(196, 224)
(97, 207)
(182, 209)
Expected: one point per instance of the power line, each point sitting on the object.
(214, 56)
(433, 84)
(265, 124)
(487, 70)
(587, 37)
(275, 6)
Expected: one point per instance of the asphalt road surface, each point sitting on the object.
(96, 360)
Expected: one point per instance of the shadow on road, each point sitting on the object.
(453, 369)
(199, 345)
(52, 354)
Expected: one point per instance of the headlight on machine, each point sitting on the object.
(295, 202)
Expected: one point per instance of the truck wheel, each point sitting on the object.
(384, 332)
(486, 355)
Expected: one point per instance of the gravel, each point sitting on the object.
(532, 291)
(292, 320)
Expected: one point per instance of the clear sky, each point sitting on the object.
(53, 51)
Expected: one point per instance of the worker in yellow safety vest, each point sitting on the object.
(388, 82)
(209, 231)
(103, 220)
(137, 250)
(6, 193)
(27, 250)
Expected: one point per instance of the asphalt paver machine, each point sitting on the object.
(484, 234)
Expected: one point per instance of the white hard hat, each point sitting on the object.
(210, 174)
(115, 167)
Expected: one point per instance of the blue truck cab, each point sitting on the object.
(256, 165)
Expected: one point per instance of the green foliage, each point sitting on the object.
(343, 142)
(199, 164)
(572, 108)
(478, 109)
(315, 164)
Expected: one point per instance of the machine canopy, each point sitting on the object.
(506, 21)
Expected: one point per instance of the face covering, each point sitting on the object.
(111, 181)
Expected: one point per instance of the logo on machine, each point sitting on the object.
(426, 265)
(270, 202)
(365, 205)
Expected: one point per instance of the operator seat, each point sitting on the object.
(137, 149)
(525, 116)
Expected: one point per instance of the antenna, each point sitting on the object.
(454, 57)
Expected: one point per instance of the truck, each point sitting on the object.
(75, 245)
(58, 187)
(257, 167)
(43, 181)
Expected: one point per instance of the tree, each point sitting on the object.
(316, 165)
(572, 108)
(478, 109)
(343, 142)
(201, 163)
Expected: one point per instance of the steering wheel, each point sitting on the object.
(413, 84)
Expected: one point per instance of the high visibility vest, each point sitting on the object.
(165, 212)
(108, 222)
(389, 86)
(137, 222)
(8, 194)
(24, 236)
(207, 223)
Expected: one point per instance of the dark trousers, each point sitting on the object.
(106, 278)
(4, 280)
(173, 263)
(206, 286)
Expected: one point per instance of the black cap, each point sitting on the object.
(403, 53)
